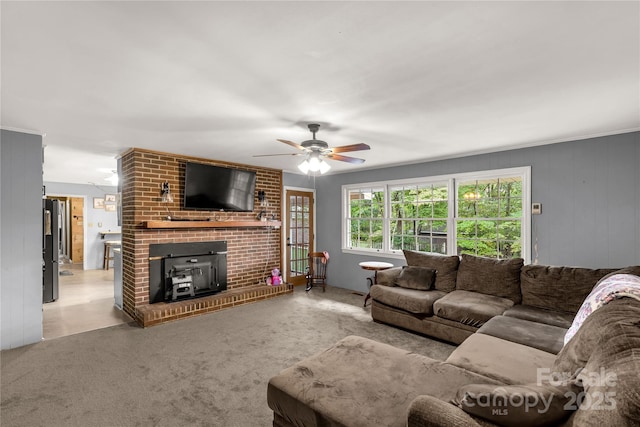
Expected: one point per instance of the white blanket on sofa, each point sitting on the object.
(615, 286)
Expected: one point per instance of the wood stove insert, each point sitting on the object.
(179, 271)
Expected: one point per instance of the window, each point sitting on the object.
(366, 218)
(481, 213)
(489, 219)
(418, 217)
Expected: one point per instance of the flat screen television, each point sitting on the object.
(218, 188)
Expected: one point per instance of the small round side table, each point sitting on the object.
(374, 266)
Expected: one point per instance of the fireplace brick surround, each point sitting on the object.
(252, 250)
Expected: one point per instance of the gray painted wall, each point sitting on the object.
(96, 220)
(589, 190)
(21, 242)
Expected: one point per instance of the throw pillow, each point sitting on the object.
(489, 276)
(516, 405)
(446, 267)
(388, 277)
(420, 278)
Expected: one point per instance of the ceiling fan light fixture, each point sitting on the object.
(324, 167)
(315, 152)
(304, 166)
(314, 164)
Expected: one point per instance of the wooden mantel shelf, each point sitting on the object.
(210, 224)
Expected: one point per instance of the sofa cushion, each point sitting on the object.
(502, 360)
(470, 308)
(610, 379)
(413, 277)
(558, 288)
(541, 315)
(607, 289)
(446, 267)
(632, 269)
(593, 335)
(360, 382)
(528, 405)
(537, 335)
(411, 300)
(497, 277)
(427, 411)
(433, 326)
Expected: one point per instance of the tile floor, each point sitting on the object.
(85, 303)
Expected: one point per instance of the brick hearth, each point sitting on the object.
(252, 251)
(154, 314)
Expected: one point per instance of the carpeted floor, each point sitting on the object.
(210, 370)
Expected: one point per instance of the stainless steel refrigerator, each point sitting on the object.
(50, 249)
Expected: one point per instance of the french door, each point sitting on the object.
(299, 233)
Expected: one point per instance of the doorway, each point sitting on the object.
(71, 229)
(85, 304)
(85, 297)
(299, 232)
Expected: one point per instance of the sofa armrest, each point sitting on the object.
(429, 411)
(388, 277)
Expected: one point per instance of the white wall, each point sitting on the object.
(21, 242)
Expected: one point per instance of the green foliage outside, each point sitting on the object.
(494, 209)
(367, 213)
(488, 221)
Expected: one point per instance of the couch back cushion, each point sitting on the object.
(559, 288)
(610, 376)
(620, 357)
(632, 269)
(593, 335)
(446, 267)
(497, 277)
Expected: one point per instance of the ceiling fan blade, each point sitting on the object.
(293, 144)
(353, 147)
(344, 158)
(284, 154)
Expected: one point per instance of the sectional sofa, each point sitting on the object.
(512, 366)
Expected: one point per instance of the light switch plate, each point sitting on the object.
(536, 208)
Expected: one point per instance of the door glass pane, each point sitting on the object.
(299, 234)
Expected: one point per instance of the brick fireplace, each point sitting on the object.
(253, 247)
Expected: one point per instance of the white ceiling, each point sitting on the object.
(223, 80)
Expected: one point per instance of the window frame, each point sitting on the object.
(524, 172)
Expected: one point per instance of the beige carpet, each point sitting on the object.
(210, 370)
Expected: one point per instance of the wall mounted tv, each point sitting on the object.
(218, 188)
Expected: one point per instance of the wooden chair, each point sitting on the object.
(317, 270)
(108, 253)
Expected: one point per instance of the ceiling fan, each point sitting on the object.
(315, 151)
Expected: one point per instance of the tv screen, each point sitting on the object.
(218, 188)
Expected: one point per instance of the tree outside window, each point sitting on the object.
(480, 213)
(366, 218)
(489, 219)
(418, 217)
